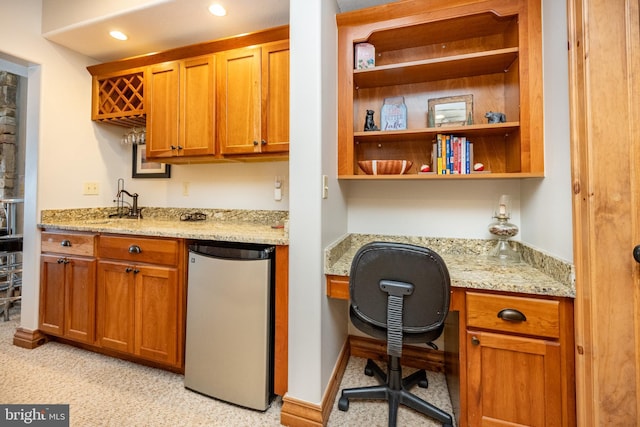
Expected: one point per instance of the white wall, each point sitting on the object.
(315, 334)
(546, 204)
(436, 209)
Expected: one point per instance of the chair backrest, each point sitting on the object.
(423, 311)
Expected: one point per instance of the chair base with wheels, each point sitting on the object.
(395, 390)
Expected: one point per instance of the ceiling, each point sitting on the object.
(157, 25)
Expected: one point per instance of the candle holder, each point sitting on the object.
(504, 230)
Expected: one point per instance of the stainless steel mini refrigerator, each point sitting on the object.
(229, 338)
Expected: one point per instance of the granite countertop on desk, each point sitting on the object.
(266, 227)
(470, 265)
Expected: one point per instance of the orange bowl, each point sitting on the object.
(385, 167)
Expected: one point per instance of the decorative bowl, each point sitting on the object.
(385, 167)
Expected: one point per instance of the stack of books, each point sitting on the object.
(452, 154)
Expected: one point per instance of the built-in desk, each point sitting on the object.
(498, 371)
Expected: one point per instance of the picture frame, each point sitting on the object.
(450, 111)
(141, 168)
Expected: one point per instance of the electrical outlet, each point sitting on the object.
(185, 188)
(90, 189)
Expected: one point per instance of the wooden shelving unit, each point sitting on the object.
(426, 50)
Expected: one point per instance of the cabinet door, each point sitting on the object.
(238, 106)
(115, 308)
(161, 96)
(275, 97)
(513, 381)
(157, 307)
(80, 299)
(197, 107)
(52, 283)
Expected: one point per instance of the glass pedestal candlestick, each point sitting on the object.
(504, 230)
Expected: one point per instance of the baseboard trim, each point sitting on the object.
(298, 413)
(28, 339)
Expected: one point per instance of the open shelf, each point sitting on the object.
(428, 133)
(454, 67)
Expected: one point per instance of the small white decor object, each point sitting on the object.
(365, 56)
(393, 114)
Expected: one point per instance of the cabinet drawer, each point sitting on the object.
(488, 311)
(139, 249)
(69, 243)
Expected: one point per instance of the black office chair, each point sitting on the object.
(400, 293)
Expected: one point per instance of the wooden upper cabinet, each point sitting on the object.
(253, 99)
(275, 96)
(239, 101)
(163, 83)
(213, 101)
(180, 100)
(433, 50)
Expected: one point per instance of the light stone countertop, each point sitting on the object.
(470, 265)
(222, 225)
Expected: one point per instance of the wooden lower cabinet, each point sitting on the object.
(138, 310)
(67, 296)
(67, 286)
(519, 361)
(513, 381)
(140, 297)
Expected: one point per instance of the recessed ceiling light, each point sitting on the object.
(217, 10)
(118, 35)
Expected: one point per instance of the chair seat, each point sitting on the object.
(11, 243)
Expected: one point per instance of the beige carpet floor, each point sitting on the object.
(104, 391)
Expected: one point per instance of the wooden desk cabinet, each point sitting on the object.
(519, 361)
(509, 357)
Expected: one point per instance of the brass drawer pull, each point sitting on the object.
(512, 315)
(66, 243)
(135, 249)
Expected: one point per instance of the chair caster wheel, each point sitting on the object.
(423, 383)
(343, 404)
(368, 371)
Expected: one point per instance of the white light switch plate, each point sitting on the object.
(325, 186)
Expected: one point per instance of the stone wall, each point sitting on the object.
(8, 142)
